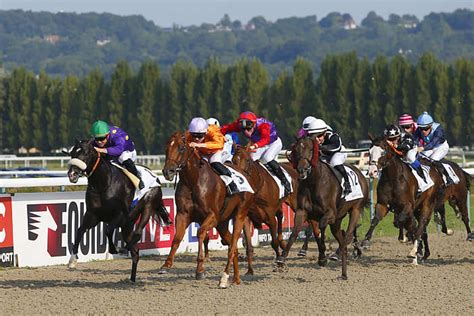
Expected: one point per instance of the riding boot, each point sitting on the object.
(276, 169)
(347, 183)
(419, 171)
(222, 170)
(438, 165)
(130, 166)
(416, 165)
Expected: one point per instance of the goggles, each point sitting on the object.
(198, 135)
(424, 128)
(100, 138)
(406, 126)
(246, 124)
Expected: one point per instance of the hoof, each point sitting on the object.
(365, 244)
(470, 237)
(450, 232)
(334, 257)
(280, 260)
(404, 240)
(302, 253)
(322, 262)
(72, 262)
(164, 270)
(342, 277)
(249, 272)
(224, 281)
(200, 275)
(356, 253)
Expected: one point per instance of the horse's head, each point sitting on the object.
(306, 155)
(242, 158)
(380, 154)
(83, 158)
(177, 154)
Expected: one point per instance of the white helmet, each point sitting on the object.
(213, 121)
(313, 125)
(198, 125)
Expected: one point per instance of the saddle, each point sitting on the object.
(130, 175)
(334, 171)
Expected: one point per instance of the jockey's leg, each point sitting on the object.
(347, 183)
(419, 170)
(278, 171)
(222, 170)
(130, 166)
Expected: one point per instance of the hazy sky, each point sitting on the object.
(187, 12)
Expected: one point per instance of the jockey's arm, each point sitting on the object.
(216, 141)
(438, 138)
(264, 130)
(117, 148)
(333, 145)
(232, 127)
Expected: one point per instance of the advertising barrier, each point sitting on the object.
(38, 229)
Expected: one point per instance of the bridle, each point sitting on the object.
(182, 149)
(83, 166)
(308, 160)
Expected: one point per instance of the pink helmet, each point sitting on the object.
(405, 120)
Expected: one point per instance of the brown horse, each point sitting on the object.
(397, 189)
(201, 197)
(267, 203)
(319, 195)
(455, 194)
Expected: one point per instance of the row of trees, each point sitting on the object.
(353, 95)
(75, 44)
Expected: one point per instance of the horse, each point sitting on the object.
(109, 195)
(267, 202)
(319, 195)
(201, 196)
(397, 189)
(455, 194)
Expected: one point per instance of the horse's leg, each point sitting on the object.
(181, 222)
(340, 236)
(424, 237)
(89, 221)
(300, 218)
(232, 253)
(272, 223)
(147, 212)
(279, 216)
(307, 236)
(109, 232)
(351, 229)
(422, 222)
(461, 203)
(380, 212)
(206, 248)
(440, 219)
(319, 236)
(209, 222)
(127, 234)
(248, 245)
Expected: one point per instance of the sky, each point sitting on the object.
(165, 13)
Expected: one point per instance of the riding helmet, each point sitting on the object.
(100, 128)
(198, 125)
(424, 120)
(391, 131)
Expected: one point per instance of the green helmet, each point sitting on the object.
(99, 129)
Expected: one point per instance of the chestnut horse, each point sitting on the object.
(201, 197)
(319, 195)
(397, 189)
(267, 202)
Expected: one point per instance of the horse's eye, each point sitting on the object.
(78, 150)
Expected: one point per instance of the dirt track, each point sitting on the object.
(382, 281)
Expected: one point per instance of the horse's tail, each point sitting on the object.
(468, 180)
(161, 215)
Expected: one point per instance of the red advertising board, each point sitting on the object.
(6, 232)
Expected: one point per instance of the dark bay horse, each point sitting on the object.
(266, 207)
(201, 197)
(109, 195)
(397, 190)
(319, 195)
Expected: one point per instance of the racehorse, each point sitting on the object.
(319, 195)
(201, 196)
(109, 195)
(455, 194)
(267, 203)
(397, 189)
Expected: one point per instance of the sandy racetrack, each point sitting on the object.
(382, 281)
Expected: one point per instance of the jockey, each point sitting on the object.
(116, 143)
(264, 140)
(432, 142)
(407, 125)
(330, 145)
(406, 145)
(209, 142)
(230, 139)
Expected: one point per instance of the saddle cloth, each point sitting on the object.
(148, 178)
(422, 185)
(451, 173)
(239, 179)
(281, 189)
(355, 186)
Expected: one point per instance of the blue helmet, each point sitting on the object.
(424, 120)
